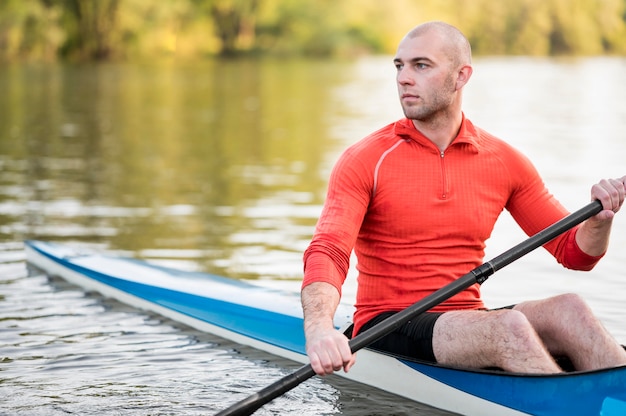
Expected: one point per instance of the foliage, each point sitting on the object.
(29, 29)
(132, 29)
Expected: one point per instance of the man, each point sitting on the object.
(416, 201)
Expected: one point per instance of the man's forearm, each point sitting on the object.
(593, 237)
(319, 303)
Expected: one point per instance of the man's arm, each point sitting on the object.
(327, 348)
(593, 235)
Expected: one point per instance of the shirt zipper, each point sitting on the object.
(444, 180)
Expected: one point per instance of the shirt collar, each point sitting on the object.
(467, 134)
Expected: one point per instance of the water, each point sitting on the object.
(222, 167)
(69, 352)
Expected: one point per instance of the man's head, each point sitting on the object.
(434, 63)
(453, 43)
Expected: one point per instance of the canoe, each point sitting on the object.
(271, 320)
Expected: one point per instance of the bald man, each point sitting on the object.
(416, 201)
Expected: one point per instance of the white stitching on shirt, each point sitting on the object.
(380, 161)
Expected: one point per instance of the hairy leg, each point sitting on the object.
(568, 327)
(503, 338)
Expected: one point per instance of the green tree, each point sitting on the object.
(95, 24)
(528, 28)
(587, 27)
(234, 22)
(29, 29)
(132, 29)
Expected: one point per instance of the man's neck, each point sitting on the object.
(441, 131)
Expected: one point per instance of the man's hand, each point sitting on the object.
(329, 351)
(611, 193)
(593, 235)
(327, 348)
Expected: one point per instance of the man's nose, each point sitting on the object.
(404, 77)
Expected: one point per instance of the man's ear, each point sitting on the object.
(463, 76)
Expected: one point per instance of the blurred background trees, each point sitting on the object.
(146, 29)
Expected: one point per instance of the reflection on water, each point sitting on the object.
(222, 166)
(163, 157)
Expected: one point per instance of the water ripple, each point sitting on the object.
(64, 351)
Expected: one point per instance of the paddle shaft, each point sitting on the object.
(255, 401)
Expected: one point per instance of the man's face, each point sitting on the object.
(425, 77)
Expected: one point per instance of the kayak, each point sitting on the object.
(271, 320)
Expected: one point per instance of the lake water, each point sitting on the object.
(222, 166)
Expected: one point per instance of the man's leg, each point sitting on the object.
(502, 338)
(568, 327)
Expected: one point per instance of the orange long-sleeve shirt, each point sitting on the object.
(418, 218)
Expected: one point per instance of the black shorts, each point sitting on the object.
(413, 339)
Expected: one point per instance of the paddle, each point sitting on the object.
(478, 275)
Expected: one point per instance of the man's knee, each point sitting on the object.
(514, 324)
(516, 339)
(559, 319)
(569, 303)
(554, 308)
